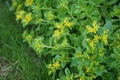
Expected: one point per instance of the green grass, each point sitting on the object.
(12, 48)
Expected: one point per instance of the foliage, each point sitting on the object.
(81, 37)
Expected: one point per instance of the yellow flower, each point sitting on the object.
(67, 23)
(57, 33)
(93, 29)
(27, 18)
(104, 37)
(101, 52)
(91, 43)
(19, 7)
(29, 38)
(51, 69)
(20, 15)
(56, 64)
(37, 45)
(96, 38)
(90, 29)
(29, 2)
(82, 79)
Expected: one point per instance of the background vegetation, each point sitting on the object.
(17, 61)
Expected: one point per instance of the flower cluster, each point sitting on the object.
(57, 33)
(27, 18)
(61, 27)
(27, 37)
(29, 2)
(96, 37)
(20, 15)
(94, 29)
(88, 65)
(104, 37)
(53, 67)
(37, 44)
(67, 23)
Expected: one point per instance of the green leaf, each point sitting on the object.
(61, 75)
(67, 71)
(100, 31)
(108, 26)
(113, 56)
(63, 64)
(112, 2)
(116, 50)
(108, 76)
(98, 72)
(75, 62)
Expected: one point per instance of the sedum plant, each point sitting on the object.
(81, 37)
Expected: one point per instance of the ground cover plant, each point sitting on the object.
(78, 39)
